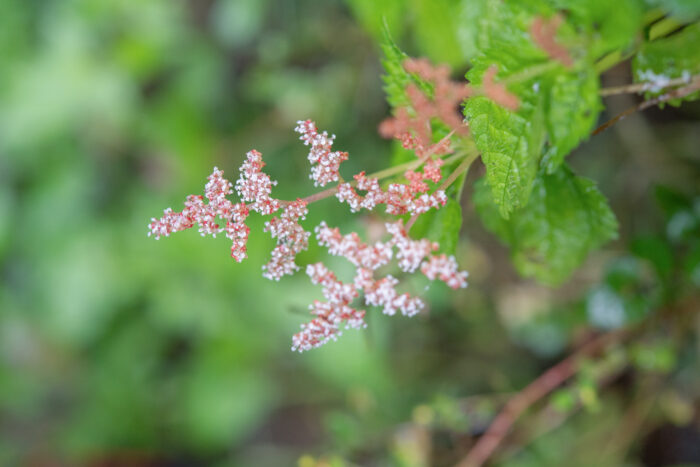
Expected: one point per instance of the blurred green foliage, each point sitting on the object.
(116, 348)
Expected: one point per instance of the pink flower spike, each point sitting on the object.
(445, 268)
(410, 252)
(426, 201)
(382, 293)
(432, 170)
(351, 247)
(373, 196)
(291, 240)
(218, 188)
(196, 211)
(329, 315)
(325, 165)
(255, 185)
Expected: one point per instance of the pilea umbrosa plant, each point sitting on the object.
(532, 94)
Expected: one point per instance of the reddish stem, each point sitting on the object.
(674, 94)
(543, 385)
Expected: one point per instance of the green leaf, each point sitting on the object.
(561, 105)
(510, 145)
(558, 105)
(503, 34)
(565, 218)
(677, 56)
(396, 78)
(572, 107)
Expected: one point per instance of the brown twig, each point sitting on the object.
(677, 93)
(550, 418)
(543, 385)
(641, 87)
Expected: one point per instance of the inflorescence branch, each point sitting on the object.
(214, 213)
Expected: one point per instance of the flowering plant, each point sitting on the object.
(414, 197)
(527, 105)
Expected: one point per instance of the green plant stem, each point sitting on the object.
(385, 173)
(461, 168)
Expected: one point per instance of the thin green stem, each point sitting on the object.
(461, 169)
(385, 173)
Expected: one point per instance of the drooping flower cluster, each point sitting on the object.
(351, 247)
(400, 198)
(291, 240)
(254, 188)
(330, 314)
(325, 164)
(411, 254)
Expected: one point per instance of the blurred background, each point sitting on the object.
(116, 349)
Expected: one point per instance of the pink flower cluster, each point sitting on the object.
(445, 268)
(325, 164)
(400, 198)
(330, 314)
(411, 124)
(291, 240)
(197, 212)
(254, 187)
(382, 292)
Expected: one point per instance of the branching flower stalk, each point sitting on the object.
(416, 195)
